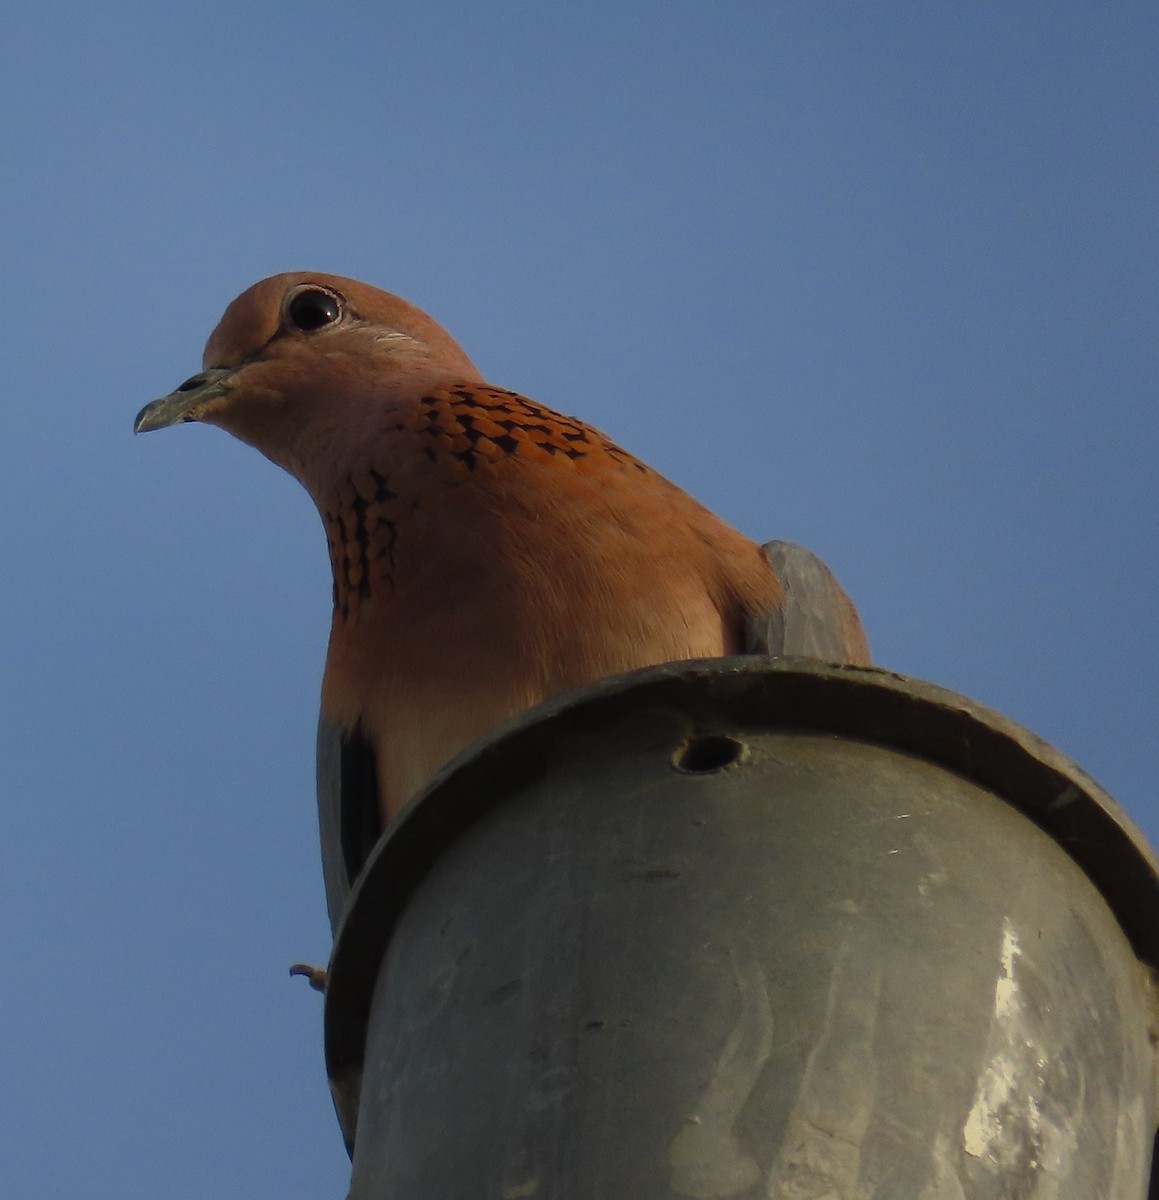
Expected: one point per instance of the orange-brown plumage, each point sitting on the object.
(487, 552)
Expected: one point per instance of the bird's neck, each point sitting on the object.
(361, 516)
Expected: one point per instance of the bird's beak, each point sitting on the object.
(184, 404)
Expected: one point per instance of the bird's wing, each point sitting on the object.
(348, 811)
(816, 620)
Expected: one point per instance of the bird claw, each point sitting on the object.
(314, 976)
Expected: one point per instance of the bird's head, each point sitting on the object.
(301, 360)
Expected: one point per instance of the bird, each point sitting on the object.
(486, 551)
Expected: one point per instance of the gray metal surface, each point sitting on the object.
(752, 929)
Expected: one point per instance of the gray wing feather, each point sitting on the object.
(816, 620)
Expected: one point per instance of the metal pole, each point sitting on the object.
(752, 928)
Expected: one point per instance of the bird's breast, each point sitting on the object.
(490, 554)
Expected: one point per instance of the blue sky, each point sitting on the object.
(877, 278)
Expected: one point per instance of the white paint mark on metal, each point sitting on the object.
(992, 1096)
(1006, 1001)
(1030, 1095)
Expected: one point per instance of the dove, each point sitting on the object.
(487, 552)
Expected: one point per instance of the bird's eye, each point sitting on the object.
(313, 308)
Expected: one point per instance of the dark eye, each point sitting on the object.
(312, 309)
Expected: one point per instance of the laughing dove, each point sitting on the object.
(487, 552)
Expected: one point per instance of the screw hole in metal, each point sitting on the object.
(704, 755)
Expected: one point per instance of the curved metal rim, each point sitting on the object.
(860, 702)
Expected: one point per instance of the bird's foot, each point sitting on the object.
(315, 976)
